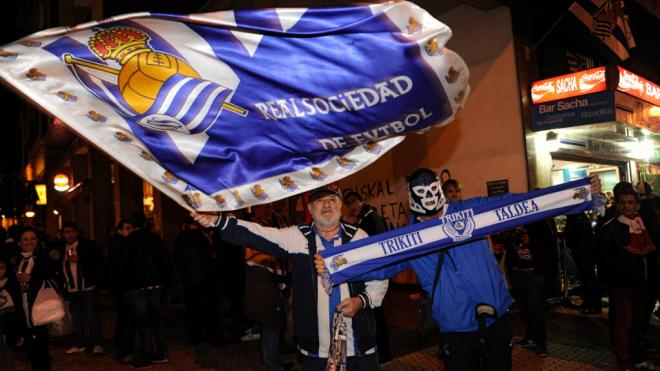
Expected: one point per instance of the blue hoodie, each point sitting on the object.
(469, 276)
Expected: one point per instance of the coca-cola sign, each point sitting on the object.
(571, 85)
(636, 86)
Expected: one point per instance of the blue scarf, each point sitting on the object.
(353, 259)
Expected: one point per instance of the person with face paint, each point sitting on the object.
(629, 268)
(470, 299)
(469, 275)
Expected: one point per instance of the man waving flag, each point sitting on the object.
(229, 109)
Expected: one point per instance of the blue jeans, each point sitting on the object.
(83, 307)
(145, 305)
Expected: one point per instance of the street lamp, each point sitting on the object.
(61, 182)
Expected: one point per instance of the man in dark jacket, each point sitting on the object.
(531, 257)
(581, 241)
(147, 270)
(364, 215)
(313, 308)
(630, 270)
(82, 265)
(192, 252)
(124, 323)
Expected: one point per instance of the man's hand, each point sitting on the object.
(320, 264)
(205, 219)
(595, 183)
(349, 307)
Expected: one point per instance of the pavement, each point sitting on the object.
(575, 342)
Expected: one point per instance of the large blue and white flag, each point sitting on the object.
(353, 259)
(229, 109)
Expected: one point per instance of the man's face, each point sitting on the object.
(628, 205)
(326, 211)
(453, 193)
(70, 235)
(125, 229)
(354, 206)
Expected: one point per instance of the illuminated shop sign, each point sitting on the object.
(41, 193)
(636, 86)
(588, 109)
(571, 85)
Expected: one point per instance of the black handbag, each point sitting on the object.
(427, 323)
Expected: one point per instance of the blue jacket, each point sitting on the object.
(469, 276)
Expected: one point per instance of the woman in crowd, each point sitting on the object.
(33, 269)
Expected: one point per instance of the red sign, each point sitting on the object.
(636, 86)
(571, 85)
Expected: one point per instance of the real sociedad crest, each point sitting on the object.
(155, 89)
(337, 262)
(459, 225)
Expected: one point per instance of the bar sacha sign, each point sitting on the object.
(586, 97)
(579, 98)
(581, 110)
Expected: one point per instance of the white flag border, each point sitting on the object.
(125, 152)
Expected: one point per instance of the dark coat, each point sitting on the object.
(44, 269)
(543, 248)
(620, 268)
(90, 263)
(146, 261)
(264, 300)
(192, 253)
(12, 320)
(370, 221)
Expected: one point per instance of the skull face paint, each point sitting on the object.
(425, 195)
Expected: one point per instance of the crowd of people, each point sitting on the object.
(135, 268)
(281, 295)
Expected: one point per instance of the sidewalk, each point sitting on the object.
(576, 342)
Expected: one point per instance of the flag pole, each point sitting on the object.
(554, 25)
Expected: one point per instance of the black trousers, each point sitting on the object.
(125, 329)
(36, 347)
(202, 311)
(461, 353)
(585, 260)
(528, 291)
(382, 336)
(368, 362)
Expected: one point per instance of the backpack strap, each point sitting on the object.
(438, 269)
